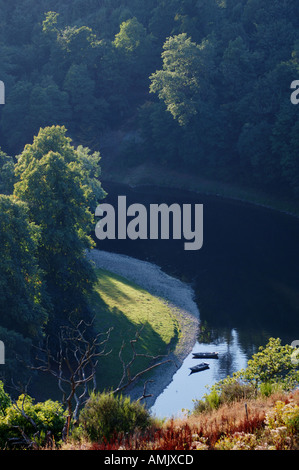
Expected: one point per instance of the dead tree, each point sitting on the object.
(74, 365)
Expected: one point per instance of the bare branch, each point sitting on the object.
(127, 379)
(75, 363)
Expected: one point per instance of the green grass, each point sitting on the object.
(127, 308)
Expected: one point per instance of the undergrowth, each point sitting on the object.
(264, 423)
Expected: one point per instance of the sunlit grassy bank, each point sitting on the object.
(127, 308)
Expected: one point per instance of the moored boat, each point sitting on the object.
(199, 368)
(206, 355)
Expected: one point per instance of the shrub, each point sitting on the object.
(272, 364)
(236, 391)
(226, 392)
(284, 414)
(105, 415)
(34, 420)
(282, 425)
(237, 441)
(210, 402)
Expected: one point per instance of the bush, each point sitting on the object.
(238, 441)
(282, 425)
(35, 420)
(284, 414)
(225, 392)
(105, 415)
(210, 402)
(236, 391)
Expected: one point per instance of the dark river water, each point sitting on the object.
(245, 279)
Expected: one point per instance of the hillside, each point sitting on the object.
(200, 87)
(264, 423)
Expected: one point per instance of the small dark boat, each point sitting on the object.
(206, 355)
(199, 368)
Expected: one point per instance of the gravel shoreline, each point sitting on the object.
(179, 298)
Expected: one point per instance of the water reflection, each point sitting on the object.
(179, 396)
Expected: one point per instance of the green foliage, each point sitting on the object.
(269, 370)
(18, 355)
(272, 364)
(221, 70)
(131, 37)
(22, 293)
(60, 186)
(106, 414)
(6, 173)
(284, 414)
(178, 84)
(228, 391)
(282, 425)
(23, 299)
(50, 23)
(238, 441)
(5, 400)
(32, 419)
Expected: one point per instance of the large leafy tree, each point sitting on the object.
(57, 183)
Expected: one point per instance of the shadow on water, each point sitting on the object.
(245, 277)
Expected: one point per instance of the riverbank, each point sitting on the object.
(179, 298)
(154, 175)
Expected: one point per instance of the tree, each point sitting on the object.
(74, 365)
(88, 111)
(182, 83)
(25, 424)
(272, 364)
(55, 182)
(22, 295)
(77, 43)
(54, 139)
(132, 37)
(43, 104)
(136, 55)
(12, 116)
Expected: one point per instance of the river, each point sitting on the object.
(245, 280)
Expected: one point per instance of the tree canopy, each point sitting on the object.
(60, 188)
(221, 70)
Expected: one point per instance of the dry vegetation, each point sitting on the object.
(270, 423)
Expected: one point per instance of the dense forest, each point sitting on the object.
(204, 84)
